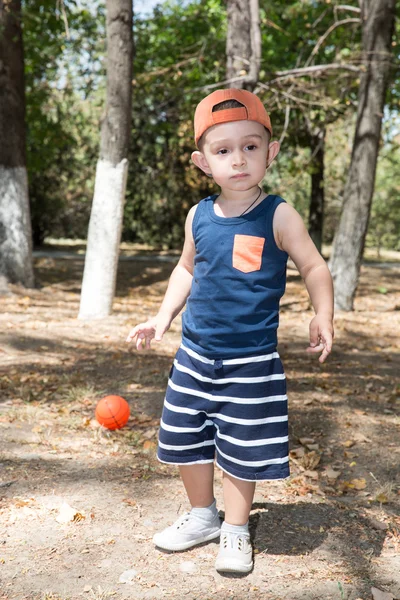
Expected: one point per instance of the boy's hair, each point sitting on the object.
(227, 104)
(230, 105)
(221, 106)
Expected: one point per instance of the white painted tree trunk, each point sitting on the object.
(100, 274)
(15, 227)
(98, 285)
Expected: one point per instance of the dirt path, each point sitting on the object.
(330, 532)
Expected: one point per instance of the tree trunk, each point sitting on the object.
(243, 43)
(316, 213)
(99, 278)
(15, 223)
(378, 25)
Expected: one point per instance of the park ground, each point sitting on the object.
(79, 505)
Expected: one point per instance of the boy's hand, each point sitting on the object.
(145, 332)
(321, 336)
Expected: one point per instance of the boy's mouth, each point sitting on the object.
(240, 176)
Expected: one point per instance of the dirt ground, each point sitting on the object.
(79, 505)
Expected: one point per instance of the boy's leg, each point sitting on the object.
(235, 553)
(199, 483)
(238, 498)
(202, 523)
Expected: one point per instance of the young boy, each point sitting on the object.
(226, 397)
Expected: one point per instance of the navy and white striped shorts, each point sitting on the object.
(234, 411)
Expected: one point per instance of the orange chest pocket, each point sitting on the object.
(247, 253)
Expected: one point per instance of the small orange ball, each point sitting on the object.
(112, 412)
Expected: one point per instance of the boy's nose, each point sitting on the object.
(238, 159)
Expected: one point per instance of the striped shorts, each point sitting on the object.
(232, 411)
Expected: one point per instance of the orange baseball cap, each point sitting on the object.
(252, 110)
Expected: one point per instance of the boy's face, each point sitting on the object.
(236, 154)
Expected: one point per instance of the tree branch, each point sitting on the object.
(328, 32)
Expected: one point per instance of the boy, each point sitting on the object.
(226, 396)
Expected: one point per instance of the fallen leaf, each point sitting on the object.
(379, 595)
(332, 474)
(360, 437)
(348, 443)
(148, 445)
(311, 474)
(381, 498)
(297, 452)
(304, 441)
(67, 514)
(379, 525)
(310, 460)
(313, 446)
(128, 576)
(344, 486)
(149, 433)
(129, 501)
(359, 484)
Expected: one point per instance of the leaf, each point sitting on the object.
(310, 460)
(297, 452)
(148, 445)
(360, 437)
(332, 474)
(344, 486)
(348, 443)
(359, 484)
(149, 433)
(311, 474)
(379, 525)
(130, 501)
(67, 514)
(305, 441)
(379, 595)
(382, 498)
(313, 446)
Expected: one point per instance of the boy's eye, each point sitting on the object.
(222, 151)
(251, 147)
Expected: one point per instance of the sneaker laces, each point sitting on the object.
(189, 516)
(234, 540)
(182, 520)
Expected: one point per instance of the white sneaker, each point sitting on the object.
(188, 531)
(235, 553)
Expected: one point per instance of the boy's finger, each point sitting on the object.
(315, 349)
(314, 334)
(132, 333)
(139, 341)
(328, 339)
(325, 353)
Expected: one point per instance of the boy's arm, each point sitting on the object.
(292, 236)
(175, 297)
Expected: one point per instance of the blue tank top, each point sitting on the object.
(239, 278)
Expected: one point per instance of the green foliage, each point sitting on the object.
(179, 53)
(163, 184)
(384, 226)
(62, 128)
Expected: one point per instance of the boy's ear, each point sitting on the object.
(200, 161)
(273, 151)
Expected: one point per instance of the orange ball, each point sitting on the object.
(112, 412)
